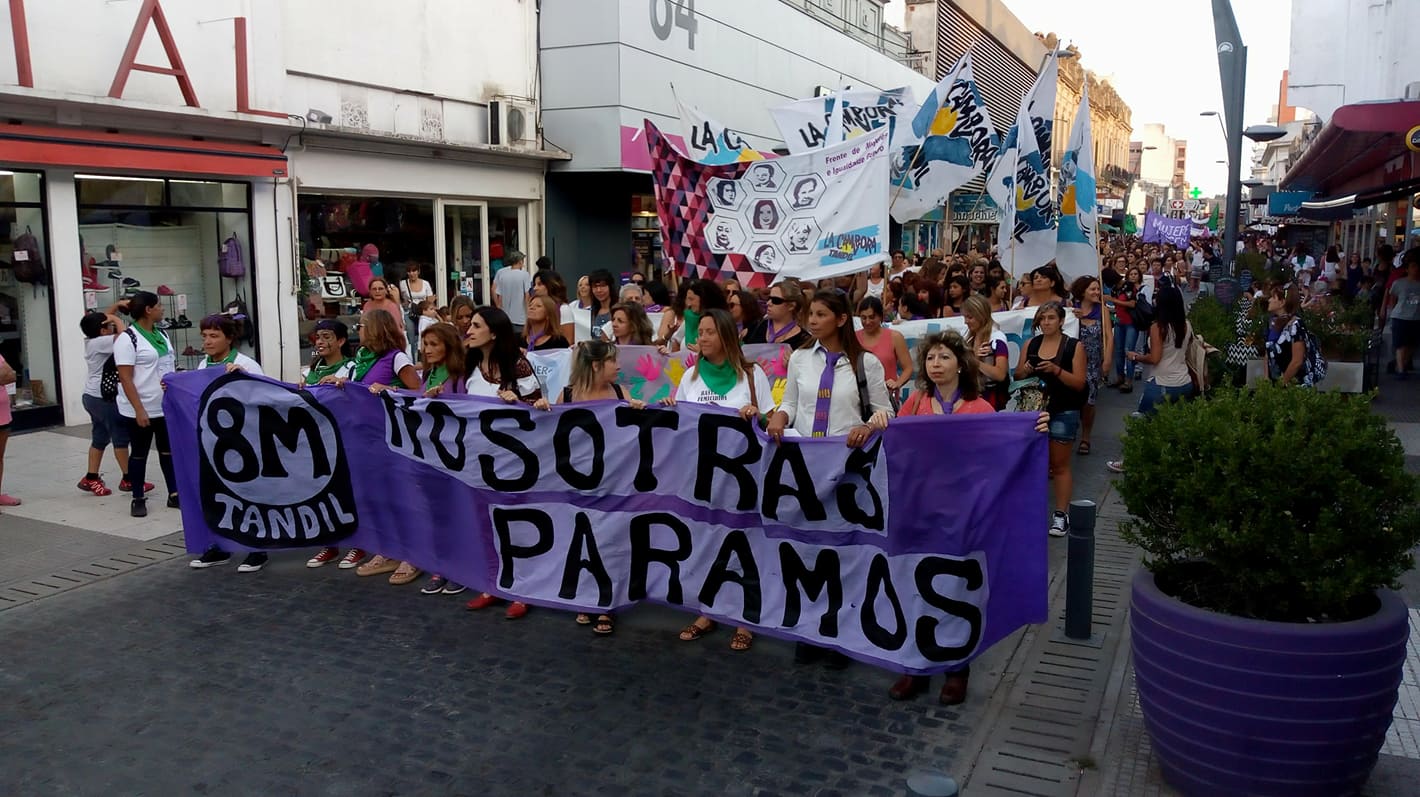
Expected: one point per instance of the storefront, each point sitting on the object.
(975, 221)
(608, 66)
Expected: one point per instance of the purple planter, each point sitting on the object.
(1240, 707)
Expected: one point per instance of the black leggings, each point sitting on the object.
(140, 438)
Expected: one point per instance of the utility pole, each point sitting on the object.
(1232, 73)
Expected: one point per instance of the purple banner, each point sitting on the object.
(915, 553)
(1163, 230)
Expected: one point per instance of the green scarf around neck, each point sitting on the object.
(323, 369)
(437, 376)
(365, 359)
(230, 358)
(692, 327)
(156, 338)
(719, 378)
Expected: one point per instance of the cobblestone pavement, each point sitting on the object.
(289, 681)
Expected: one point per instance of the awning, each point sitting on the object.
(95, 149)
(1361, 149)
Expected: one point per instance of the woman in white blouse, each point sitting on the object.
(822, 399)
(723, 377)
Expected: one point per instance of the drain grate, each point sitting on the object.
(1045, 726)
(162, 549)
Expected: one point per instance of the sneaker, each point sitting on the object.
(1115, 466)
(92, 285)
(8, 500)
(435, 586)
(95, 486)
(164, 324)
(211, 557)
(125, 486)
(352, 559)
(453, 588)
(138, 508)
(253, 563)
(323, 557)
(173, 501)
(1059, 524)
(164, 290)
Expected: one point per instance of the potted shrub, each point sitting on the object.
(1268, 646)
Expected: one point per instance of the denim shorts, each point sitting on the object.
(1065, 426)
(107, 426)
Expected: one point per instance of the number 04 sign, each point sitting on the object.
(667, 15)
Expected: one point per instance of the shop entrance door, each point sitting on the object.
(461, 251)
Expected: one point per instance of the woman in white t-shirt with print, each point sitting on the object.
(144, 355)
(723, 377)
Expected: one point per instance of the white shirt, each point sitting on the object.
(415, 297)
(801, 391)
(131, 348)
(96, 353)
(241, 361)
(511, 286)
(479, 386)
(425, 322)
(694, 390)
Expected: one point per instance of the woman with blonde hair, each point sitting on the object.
(543, 330)
(988, 343)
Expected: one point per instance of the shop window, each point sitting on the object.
(26, 309)
(187, 241)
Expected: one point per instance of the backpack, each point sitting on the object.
(1142, 314)
(28, 262)
(1195, 355)
(246, 330)
(360, 273)
(1314, 365)
(230, 262)
(108, 381)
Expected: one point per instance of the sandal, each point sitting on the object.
(605, 625)
(741, 640)
(584, 619)
(695, 631)
(1084, 448)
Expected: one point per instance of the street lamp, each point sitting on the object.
(1219, 117)
(1264, 133)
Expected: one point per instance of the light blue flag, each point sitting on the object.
(1077, 253)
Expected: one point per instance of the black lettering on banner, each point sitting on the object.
(508, 553)
(582, 555)
(511, 444)
(401, 408)
(572, 420)
(736, 544)
(391, 404)
(646, 421)
(642, 554)
(711, 459)
(969, 570)
(825, 576)
(880, 581)
(860, 463)
(288, 431)
(801, 489)
(443, 414)
(225, 417)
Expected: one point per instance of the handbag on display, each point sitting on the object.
(333, 288)
(1029, 394)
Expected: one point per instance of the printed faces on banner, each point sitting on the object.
(766, 214)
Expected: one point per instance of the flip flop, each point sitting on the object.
(1084, 448)
(693, 632)
(605, 625)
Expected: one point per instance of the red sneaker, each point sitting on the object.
(352, 559)
(95, 486)
(127, 486)
(516, 611)
(324, 557)
(481, 602)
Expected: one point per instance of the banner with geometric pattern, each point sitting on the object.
(814, 216)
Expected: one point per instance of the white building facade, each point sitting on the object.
(180, 133)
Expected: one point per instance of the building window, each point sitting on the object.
(26, 312)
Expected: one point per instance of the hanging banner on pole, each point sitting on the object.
(594, 507)
(956, 143)
(1028, 228)
(805, 127)
(708, 141)
(813, 216)
(1077, 248)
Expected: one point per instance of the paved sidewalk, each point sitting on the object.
(1127, 767)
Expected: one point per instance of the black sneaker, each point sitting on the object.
(1059, 524)
(138, 508)
(211, 557)
(253, 563)
(173, 501)
(435, 585)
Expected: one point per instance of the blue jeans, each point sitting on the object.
(1156, 394)
(1125, 339)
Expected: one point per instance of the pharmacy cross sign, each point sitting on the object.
(1196, 192)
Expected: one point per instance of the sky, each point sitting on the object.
(1165, 64)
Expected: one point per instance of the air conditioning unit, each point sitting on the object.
(1412, 91)
(511, 123)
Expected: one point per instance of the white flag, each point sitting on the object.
(708, 141)
(805, 127)
(1039, 104)
(1027, 237)
(1077, 253)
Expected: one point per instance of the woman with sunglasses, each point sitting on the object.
(783, 318)
(724, 378)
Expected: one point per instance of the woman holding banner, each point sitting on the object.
(1059, 362)
(783, 318)
(594, 372)
(833, 388)
(723, 377)
(498, 369)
